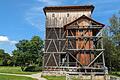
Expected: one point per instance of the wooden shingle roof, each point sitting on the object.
(84, 17)
(68, 8)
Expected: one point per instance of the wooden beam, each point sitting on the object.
(48, 45)
(48, 33)
(64, 46)
(55, 45)
(63, 34)
(55, 59)
(48, 59)
(95, 59)
(75, 59)
(55, 52)
(55, 33)
(55, 39)
(87, 49)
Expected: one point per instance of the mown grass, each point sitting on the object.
(14, 70)
(115, 73)
(7, 77)
(60, 78)
(55, 77)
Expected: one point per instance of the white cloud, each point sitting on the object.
(5, 39)
(13, 42)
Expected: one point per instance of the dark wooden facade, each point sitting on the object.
(73, 39)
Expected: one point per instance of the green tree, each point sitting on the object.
(112, 43)
(115, 29)
(37, 48)
(4, 58)
(1, 56)
(28, 52)
(114, 24)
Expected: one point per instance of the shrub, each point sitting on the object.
(33, 69)
(22, 68)
(115, 73)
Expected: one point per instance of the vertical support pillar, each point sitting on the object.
(59, 59)
(102, 48)
(80, 76)
(67, 60)
(67, 76)
(92, 77)
(60, 45)
(106, 77)
(67, 39)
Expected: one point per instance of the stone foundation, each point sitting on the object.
(88, 77)
(76, 76)
(53, 73)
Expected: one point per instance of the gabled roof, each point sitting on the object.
(84, 17)
(68, 8)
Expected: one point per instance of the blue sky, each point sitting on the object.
(22, 19)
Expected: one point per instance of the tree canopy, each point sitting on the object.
(112, 43)
(5, 58)
(28, 52)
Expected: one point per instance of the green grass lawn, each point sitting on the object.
(6, 77)
(60, 78)
(115, 73)
(14, 70)
(55, 77)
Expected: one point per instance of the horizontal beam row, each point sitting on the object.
(56, 52)
(86, 49)
(84, 36)
(66, 67)
(55, 39)
(84, 28)
(78, 73)
(97, 26)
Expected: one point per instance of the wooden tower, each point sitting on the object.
(73, 40)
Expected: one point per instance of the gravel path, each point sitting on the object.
(36, 76)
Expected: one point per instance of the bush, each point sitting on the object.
(33, 68)
(22, 68)
(115, 73)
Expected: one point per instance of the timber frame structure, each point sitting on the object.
(74, 43)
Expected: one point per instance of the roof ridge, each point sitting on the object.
(83, 16)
